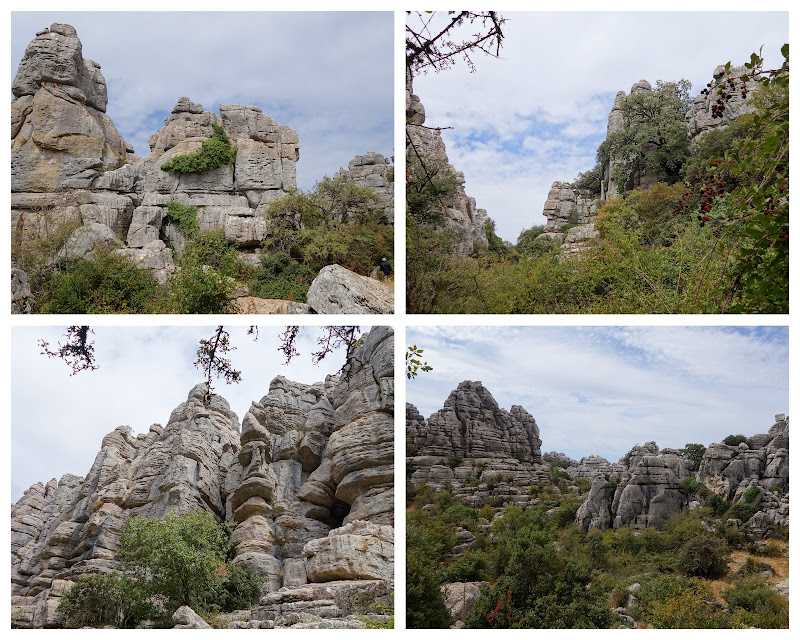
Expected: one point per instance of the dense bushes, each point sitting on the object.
(106, 284)
(180, 560)
(280, 277)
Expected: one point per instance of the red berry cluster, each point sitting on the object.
(725, 92)
(707, 190)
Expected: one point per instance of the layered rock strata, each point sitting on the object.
(374, 171)
(461, 211)
(308, 479)
(70, 164)
(645, 488)
(484, 452)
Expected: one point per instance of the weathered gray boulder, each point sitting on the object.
(460, 598)
(186, 618)
(339, 290)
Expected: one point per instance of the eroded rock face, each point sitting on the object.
(308, 479)
(699, 119)
(731, 471)
(461, 212)
(644, 490)
(69, 163)
(460, 598)
(374, 171)
(472, 437)
(60, 135)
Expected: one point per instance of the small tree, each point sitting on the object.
(177, 557)
(654, 138)
(694, 452)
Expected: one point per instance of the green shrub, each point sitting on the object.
(108, 283)
(425, 608)
(717, 504)
(453, 461)
(751, 494)
(213, 153)
(691, 485)
(185, 216)
(471, 567)
(753, 566)
(756, 605)
(704, 556)
(181, 560)
(735, 441)
(741, 511)
(209, 269)
(101, 599)
(280, 277)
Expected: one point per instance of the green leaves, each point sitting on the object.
(414, 364)
(213, 153)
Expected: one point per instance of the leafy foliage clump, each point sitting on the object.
(185, 216)
(704, 556)
(180, 560)
(108, 283)
(213, 153)
(281, 278)
(735, 441)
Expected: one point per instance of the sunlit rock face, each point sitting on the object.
(308, 479)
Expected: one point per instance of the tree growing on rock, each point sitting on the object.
(654, 139)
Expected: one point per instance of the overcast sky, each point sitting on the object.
(58, 421)
(326, 75)
(538, 114)
(601, 390)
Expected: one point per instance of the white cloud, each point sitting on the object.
(327, 75)
(564, 69)
(603, 389)
(58, 421)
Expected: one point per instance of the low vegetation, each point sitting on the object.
(543, 571)
(710, 237)
(337, 223)
(180, 560)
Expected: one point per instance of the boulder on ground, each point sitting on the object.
(338, 290)
(186, 618)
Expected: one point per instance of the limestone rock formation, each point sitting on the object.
(461, 211)
(569, 216)
(460, 599)
(699, 118)
(472, 437)
(374, 171)
(644, 489)
(563, 204)
(308, 479)
(21, 295)
(69, 163)
(339, 290)
(730, 472)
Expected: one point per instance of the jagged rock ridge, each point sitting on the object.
(308, 479)
(485, 454)
(473, 440)
(645, 490)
